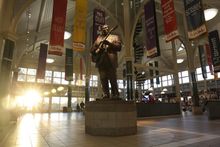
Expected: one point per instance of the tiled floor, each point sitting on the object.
(67, 130)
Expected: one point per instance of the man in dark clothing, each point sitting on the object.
(106, 47)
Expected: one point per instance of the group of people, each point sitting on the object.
(80, 107)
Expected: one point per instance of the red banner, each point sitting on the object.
(209, 58)
(58, 27)
(169, 20)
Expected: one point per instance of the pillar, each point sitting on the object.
(190, 51)
(175, 74)
(69, 95)
(127, 34)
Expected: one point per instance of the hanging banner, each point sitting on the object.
(169, 20)
(81, 68)
(58, 27)
(195, 18)
(79, 27)
(151, 74)
(42, 61)
(209, 58)
(202, 61)
(98, 21)
(215, 49)
(69, 65)
(152, 42)
(156, 64)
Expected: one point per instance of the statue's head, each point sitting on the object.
(105, 29)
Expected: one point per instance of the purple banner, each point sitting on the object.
(152, 43)
(215, 49)
(42, 61)
(98, 20)
(195, 18)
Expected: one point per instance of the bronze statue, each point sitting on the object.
(104, 54)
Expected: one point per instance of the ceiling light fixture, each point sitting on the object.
(210, 13)
(60, 88)
(49, 60)
(67, 35)
(179, 61)
(53, 90)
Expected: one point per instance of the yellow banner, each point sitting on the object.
(79, 27)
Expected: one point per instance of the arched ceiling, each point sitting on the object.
(40, 21)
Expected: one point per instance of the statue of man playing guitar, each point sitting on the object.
(104, 54)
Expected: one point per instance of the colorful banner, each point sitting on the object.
(202, 61)
(58, 27)
(69, 65)
(42, 61)
(79, 27)
(152, 43)
(98, 20)
(215, 49)
(209, 58)
(169, 20)
(195, 18)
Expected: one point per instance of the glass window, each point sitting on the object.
(40, 80)
(185, 79)
(22, 78)
(185, 74)
(46, 101)
(147, 84)
(55, 103)
(198, 70)
(48, 79)
(30, 78)
(57, 74)
(180, 80)
(93, 81)
(22, 74)
(164, 78)
(57, 80)
(210, 76)
(165, 83)
(120, 84)
(48, 73)
(63, 102)
(64, 81)
(218, 74)
(31, 71)
(22, 71)
(170, 80)
(199, 77)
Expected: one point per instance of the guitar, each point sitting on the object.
(96, 55)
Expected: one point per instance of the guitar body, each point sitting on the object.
(97, 56)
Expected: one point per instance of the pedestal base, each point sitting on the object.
(197, 110)
(110, 118)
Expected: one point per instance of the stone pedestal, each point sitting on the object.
(110, 118)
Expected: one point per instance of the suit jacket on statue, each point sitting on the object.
(111, 49)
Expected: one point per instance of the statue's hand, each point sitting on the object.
(106, 42)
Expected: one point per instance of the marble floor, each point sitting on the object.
(67, 130)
